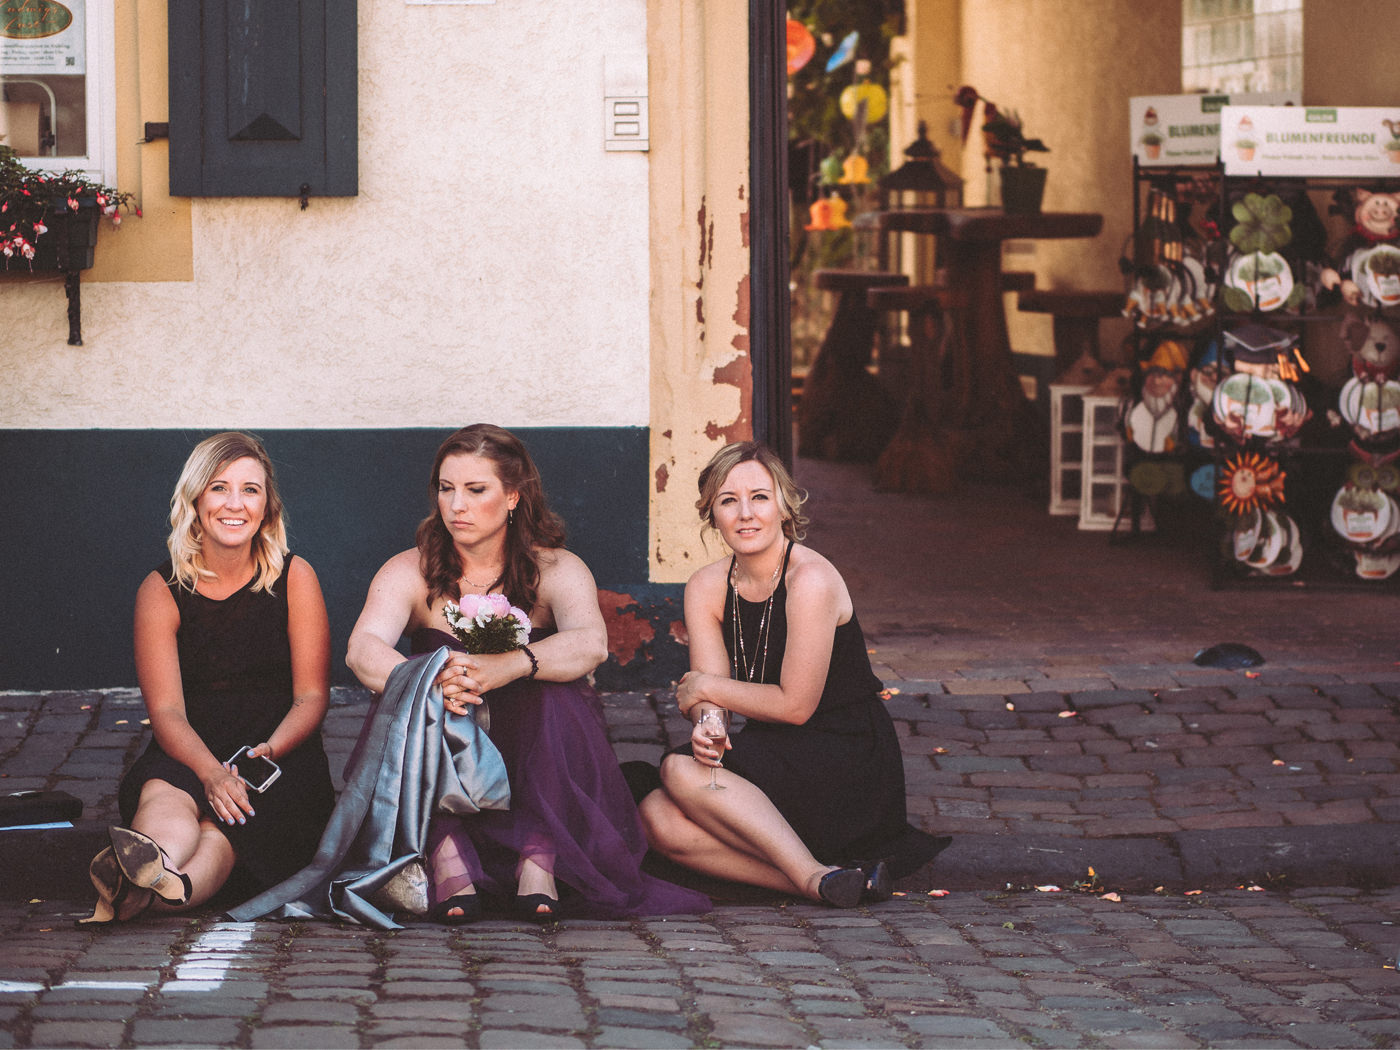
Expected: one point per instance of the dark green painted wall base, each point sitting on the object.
(86, 516)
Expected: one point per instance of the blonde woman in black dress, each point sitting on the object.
(808, 797)
(232, 650)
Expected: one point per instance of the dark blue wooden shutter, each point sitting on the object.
(263, 98)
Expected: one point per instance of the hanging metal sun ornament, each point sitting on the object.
(1250, 482)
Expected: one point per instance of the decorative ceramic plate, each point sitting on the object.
(1263, 276)
(1247, 398)
(1377, 273)
(1292, 554)
(1203, 482)
(1371, 565)
(1272, 534)
(1247, 534)
(1151, 433)
(1361, 515)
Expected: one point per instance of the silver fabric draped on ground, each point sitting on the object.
(410, 762)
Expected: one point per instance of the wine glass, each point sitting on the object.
(714, 723)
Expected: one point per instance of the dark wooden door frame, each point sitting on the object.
(770, 321)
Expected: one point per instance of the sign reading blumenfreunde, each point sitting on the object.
(42, 37)
(1169, 130)
(1355, 141)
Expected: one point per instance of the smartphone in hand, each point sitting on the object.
(257, 772)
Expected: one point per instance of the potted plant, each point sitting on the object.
(49, 221)
(1004, 137)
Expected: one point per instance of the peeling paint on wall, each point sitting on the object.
(628, 630)
(679, 634)
(738, 373)
(662, 476)
(742, 315)
(744, 219)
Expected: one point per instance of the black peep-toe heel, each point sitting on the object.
(468, 903)
(527, 906)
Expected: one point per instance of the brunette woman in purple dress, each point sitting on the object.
(571, 840)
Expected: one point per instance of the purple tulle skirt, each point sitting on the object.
(571, 810)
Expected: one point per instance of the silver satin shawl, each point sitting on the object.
(413, 760)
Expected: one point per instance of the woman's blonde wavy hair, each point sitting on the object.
(186, 534)
(788, 496)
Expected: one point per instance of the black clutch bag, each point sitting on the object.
(38, 807)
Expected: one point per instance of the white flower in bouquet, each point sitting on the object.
(487, 623)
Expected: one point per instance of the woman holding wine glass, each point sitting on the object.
(808, 797)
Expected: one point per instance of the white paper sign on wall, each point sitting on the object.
(1184, 130)
(1346, 142)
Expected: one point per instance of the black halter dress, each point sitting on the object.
(838, 778)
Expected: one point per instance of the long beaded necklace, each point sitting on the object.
(744, 668)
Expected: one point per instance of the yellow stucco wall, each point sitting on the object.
(1069, 70)
(493, 266)
(700, 372)
(1349, 51)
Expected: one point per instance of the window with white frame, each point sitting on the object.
(1236, 46)
(57, 106)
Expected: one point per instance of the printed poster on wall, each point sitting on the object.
(1172, 130)
(1345, 142)
(43, 38)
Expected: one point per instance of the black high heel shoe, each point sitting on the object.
(114, 890)
(146, 865)
(469, 904)
(527, 906)
(879, 886)
(842, 887)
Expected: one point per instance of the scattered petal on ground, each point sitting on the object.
(938, 893)
(1251, 674)
(1049, 888)
(1010, 706)
(1110, 896)
(1277, 762)
(1068, 714)
(1193, 893)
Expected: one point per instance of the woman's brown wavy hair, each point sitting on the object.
(533, 524)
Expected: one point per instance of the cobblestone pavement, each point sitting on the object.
(1051, 719)
(1308, 968)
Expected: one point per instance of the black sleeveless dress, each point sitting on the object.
(236, 672)
(838, 778)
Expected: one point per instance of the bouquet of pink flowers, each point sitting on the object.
(487, 623)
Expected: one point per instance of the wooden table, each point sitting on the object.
(970, 416)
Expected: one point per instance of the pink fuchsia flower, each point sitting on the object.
(40, 228)
(72, 203)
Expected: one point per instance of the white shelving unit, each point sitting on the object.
(1066, 446)
(1101, 470)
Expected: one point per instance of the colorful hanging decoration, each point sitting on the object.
(801, 45)
(828, 213)
(1250, 482)
(855, 171)
(845, 51)
(873, 96)
(831, 168)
